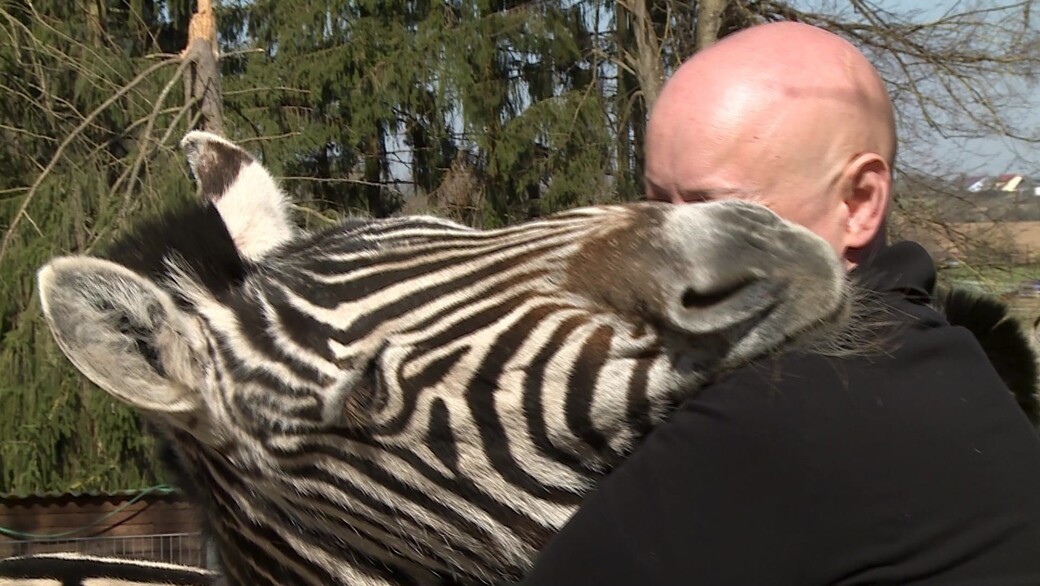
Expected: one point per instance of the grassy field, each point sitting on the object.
(1026, 310)
(995, 280)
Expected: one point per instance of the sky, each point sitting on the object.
(992, 155)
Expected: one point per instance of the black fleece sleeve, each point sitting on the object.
(713, 496)
(911, 467)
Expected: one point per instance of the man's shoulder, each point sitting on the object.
(776, 376)
(917, 373)
(935, 382)
(777, 391)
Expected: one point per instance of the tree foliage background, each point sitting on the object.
(490, 112)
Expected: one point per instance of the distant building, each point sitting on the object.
(976, 184)
(1017, 183)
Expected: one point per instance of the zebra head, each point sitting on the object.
(410, 400)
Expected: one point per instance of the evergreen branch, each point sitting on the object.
(38, 18)
(336, 180)
(166, 136)
(267, 138)
(25, 131)
(9, 234)
(128, 131)
(325, 220)
(139, 161)
(61, 56)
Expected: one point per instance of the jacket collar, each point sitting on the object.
(904, 267)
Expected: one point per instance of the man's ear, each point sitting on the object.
(869, 184)
(123, 332)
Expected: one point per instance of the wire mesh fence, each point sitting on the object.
(177, 548)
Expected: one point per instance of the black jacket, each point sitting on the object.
(909, 467)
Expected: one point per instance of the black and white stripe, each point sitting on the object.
(410, 401)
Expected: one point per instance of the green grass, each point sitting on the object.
(1004, 282)
(990, 279)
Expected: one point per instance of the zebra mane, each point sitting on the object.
(1002, 337)
(193, 237)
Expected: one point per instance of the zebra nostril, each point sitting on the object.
(693, 299)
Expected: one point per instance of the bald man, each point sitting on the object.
(784, 114)
(908, 466)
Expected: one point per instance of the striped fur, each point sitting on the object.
(72, 569)
(410, 401)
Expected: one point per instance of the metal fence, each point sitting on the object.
(177, 548)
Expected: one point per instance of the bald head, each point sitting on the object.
(785, 114)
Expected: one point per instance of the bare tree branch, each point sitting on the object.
(21, 212)
(645, 62)
(147, 133)
(709, 21)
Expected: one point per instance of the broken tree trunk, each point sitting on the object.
(202, 83)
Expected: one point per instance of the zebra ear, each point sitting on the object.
(122, 331)
(253, 207)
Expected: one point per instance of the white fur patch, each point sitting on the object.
(256, 212)
(254, 208)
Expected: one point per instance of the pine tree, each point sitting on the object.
(80, 82)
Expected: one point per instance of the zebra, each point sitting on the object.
(409, 400)
(1009, 345)
(73, 569)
